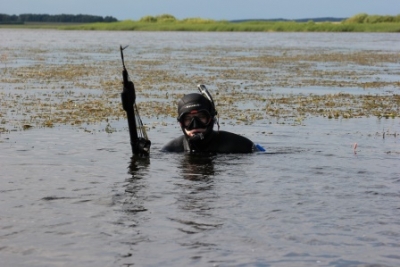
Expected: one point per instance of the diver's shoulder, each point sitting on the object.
(225, 134)
(175, 145)
(229, 142)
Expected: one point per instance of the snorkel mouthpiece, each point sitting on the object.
(197, 137)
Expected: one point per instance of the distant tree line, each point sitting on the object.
(64, 18)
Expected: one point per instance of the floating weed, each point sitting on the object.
(245, 88)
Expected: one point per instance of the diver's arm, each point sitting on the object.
(258, 148)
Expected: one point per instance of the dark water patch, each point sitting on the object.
(82, 201)
(397, 257)
(51, 198)
(135, 210)
(10, 190)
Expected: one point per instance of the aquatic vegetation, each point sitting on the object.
(262, 85)
(4, 59)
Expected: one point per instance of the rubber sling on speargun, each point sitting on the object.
(140, 143)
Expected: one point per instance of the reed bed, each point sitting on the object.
(166, 22)
(224, 26)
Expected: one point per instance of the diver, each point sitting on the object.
(197, 116)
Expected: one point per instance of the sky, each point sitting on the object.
(206, 9)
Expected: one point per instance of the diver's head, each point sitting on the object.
(196, 115)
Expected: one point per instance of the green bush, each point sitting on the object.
(359, 18)
(148, 19)
(198, 21)
(365, 18)
(166, 18)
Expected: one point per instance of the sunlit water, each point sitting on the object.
(70, 197)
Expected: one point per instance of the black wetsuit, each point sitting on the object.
(216, 142)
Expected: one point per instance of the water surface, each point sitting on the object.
(71, 195)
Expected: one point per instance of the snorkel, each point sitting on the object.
(197, 115)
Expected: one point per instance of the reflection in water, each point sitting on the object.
(197, 167)
(138, 169)
(196, 190)
(137, 164)
(196, 199)
(133, 201)
(133, 206)
(191, 212)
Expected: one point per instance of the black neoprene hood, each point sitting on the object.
(194, 101)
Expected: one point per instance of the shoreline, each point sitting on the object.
(222, 26)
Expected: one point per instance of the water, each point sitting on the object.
(71, 196)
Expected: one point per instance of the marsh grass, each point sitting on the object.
(166, 22)
(225, 26)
